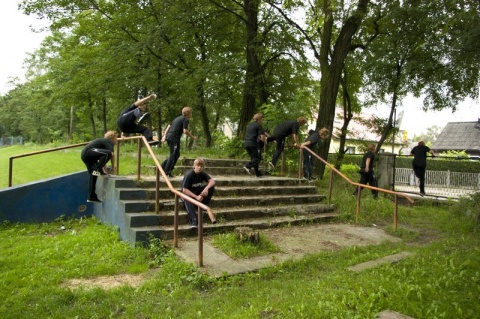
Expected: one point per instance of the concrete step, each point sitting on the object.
(220, 191)
(229, 214)
(141, 234)
(222, 202)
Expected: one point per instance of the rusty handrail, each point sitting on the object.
(178, 194)
(360, 186)
(10, 164)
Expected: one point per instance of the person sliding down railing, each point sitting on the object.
(308, 160)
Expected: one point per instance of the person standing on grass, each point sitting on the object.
(173, 134)
(253, 134)
(367, 175)
(130, 118)
(96, 155)
(419, 163)
(198, 185)
(280, 133)
(308, 159)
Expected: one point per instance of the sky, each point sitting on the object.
(18, 39)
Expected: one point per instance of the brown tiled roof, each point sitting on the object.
(459, 136)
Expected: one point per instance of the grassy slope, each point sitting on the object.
(441, 281)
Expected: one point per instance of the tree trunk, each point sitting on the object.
(331, 66)
(253, 74)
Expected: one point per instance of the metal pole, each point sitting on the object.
(200, 237)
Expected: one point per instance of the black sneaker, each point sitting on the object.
(93, 200)
(194, 224)
(153, 142)
(98, 173)
(259, 175)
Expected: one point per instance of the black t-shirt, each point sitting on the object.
(420, 155)
(253, 131)
(176, 128)
(101, 143)
(286, 128)
(313, 137)
(195, 182)
(371, 156)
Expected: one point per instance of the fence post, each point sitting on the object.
(448, 178)
(386, 170)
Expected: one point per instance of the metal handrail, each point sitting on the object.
(10, 164)
(159, 171)
(177, 193)
(333, 170)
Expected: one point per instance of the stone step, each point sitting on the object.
(218, 202)
(229, 214)
(220, 191)
(141, 234)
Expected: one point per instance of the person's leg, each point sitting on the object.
(363, 180)
(131, 127)
(278, 149)
(307, 170)
(191, 212)
(174, 155)
(421, 172)
(372, 181)
(207, 199)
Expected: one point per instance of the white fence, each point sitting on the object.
(440, 183)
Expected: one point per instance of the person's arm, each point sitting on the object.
(367, 165)
(164, 136)
(295, 139)
(211, 183)
(187, 132)
(112, 160)
(306, 143)
(152, 96)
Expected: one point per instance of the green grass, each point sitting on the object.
(236, 248)
(441, 280)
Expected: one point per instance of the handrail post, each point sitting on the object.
(359, 196)
(175, 223)
(139, 159)
(117, 158)
(395, 214)
(10, 171)
(200, 236)
(157, 192)
(300, 163)
(330, 186)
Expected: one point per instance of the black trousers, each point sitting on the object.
(192, 209)
(255, 158)
(126, 125)
(420, 173)
(95, 159)
(370, 179)
(169, 164)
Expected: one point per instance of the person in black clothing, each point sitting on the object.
(96, 155)
(173, 134)
(419, 163)
(198, 185)
(253, 134)
(308, 159)
(130, 115)
(280, 133)
(367, 175)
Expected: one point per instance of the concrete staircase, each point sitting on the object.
(239, 200)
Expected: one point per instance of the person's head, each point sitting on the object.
(301, 120)
(258, 117)
(198, 165)
(323, 133)
(371, 147)
(187, 112)
(421, 143)
(111, 135)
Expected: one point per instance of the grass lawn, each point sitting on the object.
(442, 280)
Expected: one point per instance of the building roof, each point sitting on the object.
(459, 136)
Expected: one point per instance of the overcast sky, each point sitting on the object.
(18, 39)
